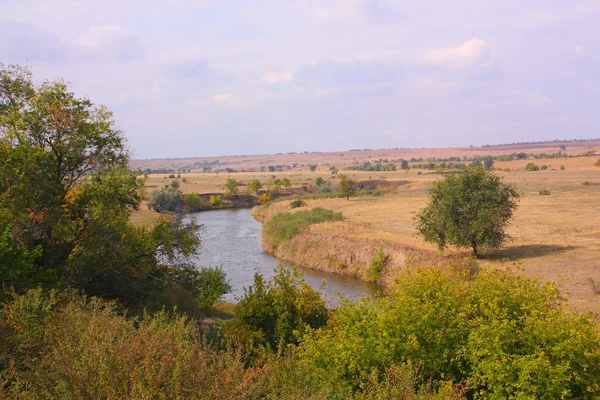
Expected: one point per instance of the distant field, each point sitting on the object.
(254, 163)
(557, 237)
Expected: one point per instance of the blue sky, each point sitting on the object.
(199, 78)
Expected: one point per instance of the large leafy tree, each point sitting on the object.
(66, 196)
(470, 210)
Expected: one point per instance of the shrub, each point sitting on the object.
(597, 163)
(562, 167)
(215, 201)
(544, 167)
(265, 197)
(193, 201)
(588, 183)
(377, 264)
(503, 335)
(166, 198)
(286, 225)
(531, 167)
(319, 181)
(211, 285)
(594, 285)
(231, 187)
(297, 203)
(276, 313)
(545, 192)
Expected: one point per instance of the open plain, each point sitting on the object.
(556, 237)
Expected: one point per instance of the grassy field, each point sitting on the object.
(556, 236)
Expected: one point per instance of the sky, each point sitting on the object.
(205, 78)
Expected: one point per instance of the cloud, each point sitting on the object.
(110, 42)
(277, 77)
(578, 50)
(221, 99)
(20, 42)
(591, 85)
(472, 53)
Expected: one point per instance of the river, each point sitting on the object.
(232, 239)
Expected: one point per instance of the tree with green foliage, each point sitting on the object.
(347, 187)
(277, 313)
(255, 186)
(471, 209)
(404, 164)
(166, 198)
(531, 167)
(285, 182)
(319, 181)
(66, 197)
(597, 163)
(231, 187)
(499, 334)
(312, 167)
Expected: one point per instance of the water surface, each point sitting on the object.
(232, 239)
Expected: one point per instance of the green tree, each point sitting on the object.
(285, 182)
(531, 167)
(319, 181)
(231, 187)
(255, 186)
(347, 186)
(404, 164)
(166, 198)
(597, 163)
(313, 167)
(277, 313)
(472, 210)
(66, 197)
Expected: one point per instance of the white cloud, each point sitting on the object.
(277, 77)
(474, 52)
(220, 99)
(110, 42)
(578, 50)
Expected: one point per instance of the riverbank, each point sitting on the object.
(343, 248)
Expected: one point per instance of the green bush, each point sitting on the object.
(166, 198)
(531, 167)
(297, 203)
(286, 225)
(193, 201)
(500, 334)
(544, 167)
(215, 201)
(275, 314)
(377, 265)
(211, 285)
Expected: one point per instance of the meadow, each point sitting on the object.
(555, 236)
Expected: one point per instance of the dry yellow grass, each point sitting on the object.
(556, 237)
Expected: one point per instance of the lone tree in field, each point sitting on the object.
(231, 187)
(472, 210)
(348, 187)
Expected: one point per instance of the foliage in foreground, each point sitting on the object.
(500, 335)
(66, 198)
(62, 345)
(472, 210)
(285, 226)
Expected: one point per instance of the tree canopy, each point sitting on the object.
(471, 209)
(66, 197)
(347, 186)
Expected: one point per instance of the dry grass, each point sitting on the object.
(556, 237)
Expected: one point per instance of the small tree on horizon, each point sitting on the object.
(347, 186)
(472, 210)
